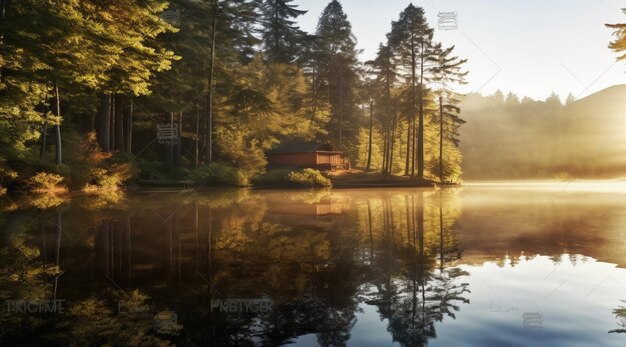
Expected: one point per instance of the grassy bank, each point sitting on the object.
(376, 180)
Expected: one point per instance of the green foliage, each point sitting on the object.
(44, 182)
(219, 175)
(334, 62)
(363, 149)
(109, 179)
(619, 44)
(281, 37)
(305, 178)
(310, 178)
(269, 82)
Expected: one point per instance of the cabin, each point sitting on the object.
(316, 155)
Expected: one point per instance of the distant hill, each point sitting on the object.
(508, 139)
(614, 95)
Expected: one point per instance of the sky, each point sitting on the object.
(530, 47)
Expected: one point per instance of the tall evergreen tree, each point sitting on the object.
(384, 68)
(336, 56)
(281, 37)
(619, 44)
(411, 38)
(130, 28)
(446, 71)
(233, 44)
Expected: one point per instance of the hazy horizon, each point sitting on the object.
(578, 62)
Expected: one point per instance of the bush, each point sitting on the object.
(272, 178)
(219, 174)
(110, 179)
(307, 178)
(46, 182)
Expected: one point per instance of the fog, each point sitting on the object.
(508, 138)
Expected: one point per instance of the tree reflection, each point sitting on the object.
(620, 316)
(316, 256)
(412, 292)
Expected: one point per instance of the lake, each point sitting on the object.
(506, 264)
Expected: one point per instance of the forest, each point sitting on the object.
(99, 98)
(94, 93)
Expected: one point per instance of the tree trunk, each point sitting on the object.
(420, 133)
(414, 147)
(441, 139)
(119, 122)
(170, 152)
(42, 141)
(92, 122)
(276, 31)
(179, 145)
(383, 169)
(369, 151)
(197, 152)
(364, 116)
(170, 248)
(128, 127)
(408, 147)
(413, 83)
(112, 123)
(392, 138)
(389, 135)
(340, 109)
(44, 246)
(209, 148)
(104, 123)
(57, 128)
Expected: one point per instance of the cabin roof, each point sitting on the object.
(304, 147)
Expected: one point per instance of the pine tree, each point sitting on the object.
(445, 72)
(411, 38)
(619, 44)
(232, 45)
(130, 28)
(336, 56)
(384, 69)
(512, 99)
(281, 37)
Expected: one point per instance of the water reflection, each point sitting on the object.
(620, 315)
(389, 267)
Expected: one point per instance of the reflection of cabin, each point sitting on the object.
(322, 208)
(316, 155)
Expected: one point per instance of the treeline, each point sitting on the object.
(224, 81)
(509, 138)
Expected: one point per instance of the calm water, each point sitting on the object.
(485, 265)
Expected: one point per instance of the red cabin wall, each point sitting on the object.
(321, 161)
(293, 159)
